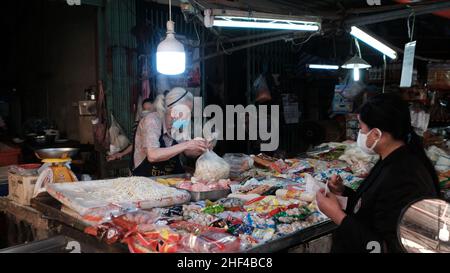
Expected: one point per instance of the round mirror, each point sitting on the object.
(424, 227)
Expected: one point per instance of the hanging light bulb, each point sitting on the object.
(170, 55)
(356, 63)
(356, 74)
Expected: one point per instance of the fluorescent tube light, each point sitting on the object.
(264, 24)
(259, 20)
(370, 41)
(323, 66)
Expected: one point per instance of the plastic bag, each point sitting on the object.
(117, 136)
(211, 242)
(261, 90)
(239, 163)
(211, 167)
(312, 185)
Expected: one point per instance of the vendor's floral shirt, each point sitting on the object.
(148, 134)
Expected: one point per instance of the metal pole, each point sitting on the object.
(241, 47)
(250, 37)
(399, 14)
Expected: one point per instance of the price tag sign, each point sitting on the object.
(408, 64)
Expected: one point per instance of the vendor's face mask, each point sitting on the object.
(362, 142)
(180, 130)
(180, 124)
(181, 120)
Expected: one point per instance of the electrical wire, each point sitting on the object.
(220, 44)
(305, 41)
(384, 72)
(411, 30)
(358, 48)
(198, 4)
(198, 36)
(170, 10)
(300, 45)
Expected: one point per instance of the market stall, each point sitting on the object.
(267, 205)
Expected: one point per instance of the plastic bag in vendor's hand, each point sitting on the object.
(211, 167)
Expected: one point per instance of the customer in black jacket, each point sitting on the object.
(403, 175)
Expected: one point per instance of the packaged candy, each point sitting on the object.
(294, 194)
(200, 218)
(220, 223)
(111, 233)
(195, 228)
(211, 242)
(175, 211)
(256, 221)
(242, 228)
(230, 202)
(265, 204)
(247, 241)
(215, 209)
(137, 248)
(263, 235)
(279, 166)
(293, 215)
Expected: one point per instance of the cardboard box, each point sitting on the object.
(21, 188)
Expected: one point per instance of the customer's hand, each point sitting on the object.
(195, 147)
(329, 205)
(336, 185)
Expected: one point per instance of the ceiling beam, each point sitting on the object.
(425, 8)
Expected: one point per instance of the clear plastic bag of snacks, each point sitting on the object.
(239, 163)
(211, 167)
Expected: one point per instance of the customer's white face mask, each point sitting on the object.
(362, 142)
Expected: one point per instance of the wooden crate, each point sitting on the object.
(21, 188)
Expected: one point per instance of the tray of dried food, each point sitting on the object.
(139, 192)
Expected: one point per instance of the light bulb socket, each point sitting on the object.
(170, 27)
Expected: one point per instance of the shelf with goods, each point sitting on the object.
(438, 78)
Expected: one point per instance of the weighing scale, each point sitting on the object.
(55, 168)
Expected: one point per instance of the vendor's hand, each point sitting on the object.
(336, 185)
(329, 205)
(196, 147)
(211, 145)
(114, 157)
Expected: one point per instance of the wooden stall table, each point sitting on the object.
(23, 223)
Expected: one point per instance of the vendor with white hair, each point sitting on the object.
(163, 136)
